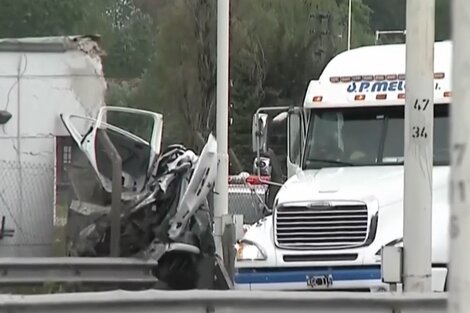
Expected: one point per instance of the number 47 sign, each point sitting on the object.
(420, 131)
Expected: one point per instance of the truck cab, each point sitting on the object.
(343, 198)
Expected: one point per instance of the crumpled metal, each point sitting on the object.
(147, 219)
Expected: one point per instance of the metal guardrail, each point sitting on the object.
(224, 301)
(96, 271)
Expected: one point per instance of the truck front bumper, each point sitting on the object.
(360, 278)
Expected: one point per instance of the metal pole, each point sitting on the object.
(221, 186)
(115, 215)
(419, 113)
(459, 276)
(349, 24)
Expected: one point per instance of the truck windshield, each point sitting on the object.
(362, 137)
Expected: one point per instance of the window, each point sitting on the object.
(295, 137)
(67, 154)
(372, 136)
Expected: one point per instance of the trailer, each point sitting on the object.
(39, 79)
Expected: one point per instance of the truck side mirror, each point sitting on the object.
(259, 132)
(262, 166)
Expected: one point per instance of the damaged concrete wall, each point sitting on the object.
(39, 79)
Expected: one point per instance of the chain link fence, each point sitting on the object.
(246, 199)
(27, 206)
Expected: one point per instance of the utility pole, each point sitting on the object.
(459, 276)
(419, 116)
(221, 184)
(349, 23)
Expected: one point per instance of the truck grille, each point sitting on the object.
(321, 226)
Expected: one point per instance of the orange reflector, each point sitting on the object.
(379, 77)
(359, 97)
(381, 96)
(448, 94)
(317, 99)
(392, 77)
(401, 96)
(401, 76)
(334, 79)
(439, 75)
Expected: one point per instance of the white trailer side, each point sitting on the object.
(39, 79)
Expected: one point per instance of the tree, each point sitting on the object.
(443, 18)
(391, 15)
(277, 46)
(162, 53)
(25, 18)
(153, 8)
(184, 67)
(126, 32)
(131, 43)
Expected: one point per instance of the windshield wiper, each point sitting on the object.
(330, 162)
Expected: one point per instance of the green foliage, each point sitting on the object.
(443, 20)
(184, 67)
(131, 43)
(127, 33)
(172, 45)
(161, 53)
(361, 29)
(24, 18)
(120, 93)
(123, 93)
(278, 47)
(391, 15)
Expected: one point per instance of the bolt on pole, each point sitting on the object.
(419, 114)
(459, 275)
(221, 186)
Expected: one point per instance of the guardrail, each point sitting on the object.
(224, 301)
(93, 271)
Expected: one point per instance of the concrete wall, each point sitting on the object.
(39, 79)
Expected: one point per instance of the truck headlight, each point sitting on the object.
(249, 251)
(395, 243)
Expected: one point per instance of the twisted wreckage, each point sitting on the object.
(164, 208)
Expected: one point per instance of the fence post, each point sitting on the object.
(116, 192)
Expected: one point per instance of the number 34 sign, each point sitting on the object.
(420, 131)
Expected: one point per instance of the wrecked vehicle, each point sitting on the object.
(165, 214)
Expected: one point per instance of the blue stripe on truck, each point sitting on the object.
(292, 275)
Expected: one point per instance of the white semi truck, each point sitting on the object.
(343, 199)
